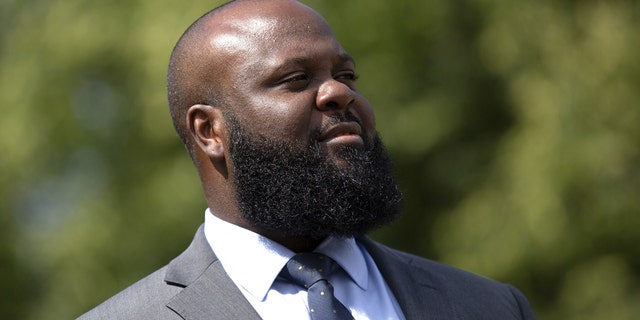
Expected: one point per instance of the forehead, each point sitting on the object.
(270, 31)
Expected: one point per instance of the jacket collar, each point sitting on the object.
(208, 292)
(418, 291)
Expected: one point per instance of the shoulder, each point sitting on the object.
(149, 297)
(464, 293)
(144, 299)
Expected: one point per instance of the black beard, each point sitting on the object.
(295, 191)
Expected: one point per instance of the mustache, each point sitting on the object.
(335, 118)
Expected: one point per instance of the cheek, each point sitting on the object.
(293, 127)
(364, 112)
(282, 121)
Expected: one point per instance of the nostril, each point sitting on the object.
(331, 104)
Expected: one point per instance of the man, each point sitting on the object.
(263, 96)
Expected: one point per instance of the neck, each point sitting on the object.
(295, 244)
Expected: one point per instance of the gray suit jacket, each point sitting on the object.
(195, 286)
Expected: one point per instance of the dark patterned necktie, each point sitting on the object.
(310, 270)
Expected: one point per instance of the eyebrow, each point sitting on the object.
(343, 57)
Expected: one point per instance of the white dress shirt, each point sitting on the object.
(253, 263)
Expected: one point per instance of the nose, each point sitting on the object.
(334, 94)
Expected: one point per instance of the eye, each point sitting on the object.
(348, 77)
(294, 78)
(296, 81)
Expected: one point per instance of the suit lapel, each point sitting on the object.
(415, 288)
(209, 293)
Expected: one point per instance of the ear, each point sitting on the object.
(207, 127)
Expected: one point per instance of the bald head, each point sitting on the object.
(199, 62)
(190, 79)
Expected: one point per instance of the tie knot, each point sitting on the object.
(305, 269)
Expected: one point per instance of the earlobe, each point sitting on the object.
(206, 125)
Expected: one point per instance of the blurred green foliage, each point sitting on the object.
(514, 126)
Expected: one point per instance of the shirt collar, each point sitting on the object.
(253, 261)
(346, 253)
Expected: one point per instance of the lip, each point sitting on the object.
(343, 132)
